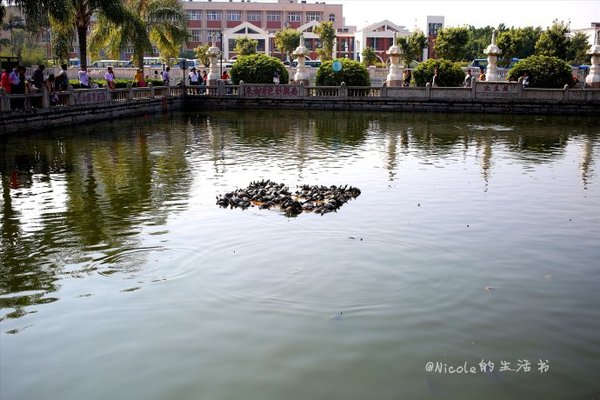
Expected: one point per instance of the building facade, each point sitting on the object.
(222, 22)
(379, 37)
(434, 24)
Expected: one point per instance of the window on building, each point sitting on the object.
(294, 16)
(128, 50)
(213, 15)
(254, 16)
(234, 15)
(45, 36)
(195, 35)
(332, 17)
(373, 43)
(194, 15)
(313, 16)
(434, 28)
(273, 15)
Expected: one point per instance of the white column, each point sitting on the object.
(593, 79)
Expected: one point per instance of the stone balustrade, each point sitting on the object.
(39, 110)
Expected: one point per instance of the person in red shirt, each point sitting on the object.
(5, 80)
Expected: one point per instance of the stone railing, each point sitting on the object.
(501, 90)
(480, 91)
(76, 97)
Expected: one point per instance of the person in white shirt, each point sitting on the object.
(194, 77)
(110, 78)
(165, 76)
(84, 78)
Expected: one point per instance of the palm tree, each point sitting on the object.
(37, 11)
(82, 11)
(68, 15)
(163, 22)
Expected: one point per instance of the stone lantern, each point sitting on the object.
(301, 75)
(492, 51)
(593, 78)
(213, 53)
(394, 77)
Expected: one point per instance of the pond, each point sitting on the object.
(467, 265)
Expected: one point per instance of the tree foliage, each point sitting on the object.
(326, 33)
(202, 54)
(245, 46)
(68, 15)
(15, 24)
(543, 71)
(368, 56)
(451, 43)
(258, 68)
(479, 39)
(412, 47)
(352, 73)
(450, 74)
(578, 49)
(287, 40)
(517, 43)
(143, 22)
(554, 42)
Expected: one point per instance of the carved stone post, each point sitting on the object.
(301, 75)
(593, 79)
(394, 77)
(213, 72)
(492, 52)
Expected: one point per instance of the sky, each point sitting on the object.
(517, 13)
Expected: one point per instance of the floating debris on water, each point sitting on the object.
(266, 195)
(337, 317)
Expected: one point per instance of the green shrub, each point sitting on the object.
(450, 74)
(353, 73)
(543, 71)
(258, 68)
(119, 83)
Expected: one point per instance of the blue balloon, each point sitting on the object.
(337, 66)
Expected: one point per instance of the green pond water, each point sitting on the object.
(475, 241)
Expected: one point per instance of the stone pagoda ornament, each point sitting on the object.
(394, 77)
(593, 79)
(301, 75)
(213, 53)
(492, 51)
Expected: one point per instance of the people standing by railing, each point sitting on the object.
(38, 77)
(481, 74)
(407, 76)
(109, 76)
(15, 81)
(84, 78)
(5, 80)
(138, 79)
(165, 76)
(204, 81)
(62, 79)
(50, 83)
(468, 79)
(194, 78)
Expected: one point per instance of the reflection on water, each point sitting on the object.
(451, 204)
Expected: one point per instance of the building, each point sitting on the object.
(591, 32)
(434, 24)
(222, 22)
(379, 37)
